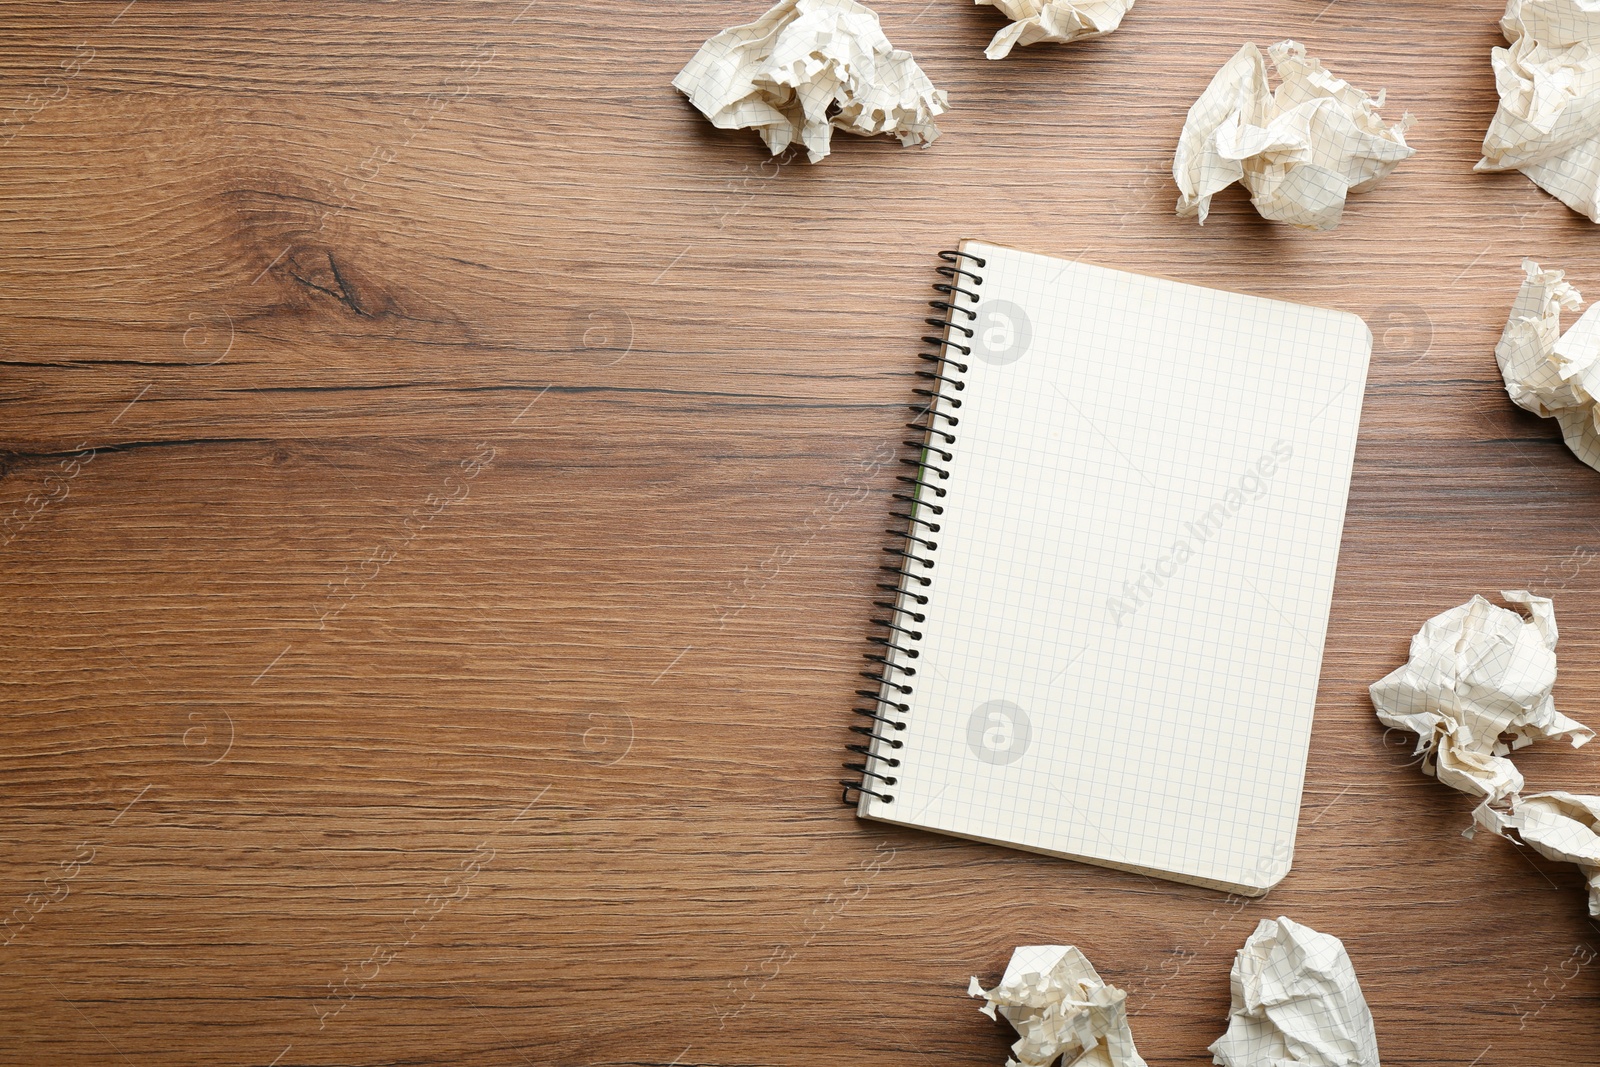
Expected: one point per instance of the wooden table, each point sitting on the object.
(426, 640)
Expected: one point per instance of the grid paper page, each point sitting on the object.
(1136, 557)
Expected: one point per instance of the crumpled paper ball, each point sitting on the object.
(1059, 1005)
(1053, 20)
(1296, 1001)
(1479, 673)
(1300, 150)
(1548, 122)
(806, 67)
(1559, 826)
(1553, 374)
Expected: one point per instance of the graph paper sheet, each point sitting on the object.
(1135, 559)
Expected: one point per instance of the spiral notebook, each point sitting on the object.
(1100, 634)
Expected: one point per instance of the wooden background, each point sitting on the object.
(425, 638)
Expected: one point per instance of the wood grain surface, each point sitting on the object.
(427, 637)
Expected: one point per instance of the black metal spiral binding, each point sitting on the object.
(916, 541)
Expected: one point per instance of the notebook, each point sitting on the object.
(1100, 634)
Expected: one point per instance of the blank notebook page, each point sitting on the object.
(1131, 584)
